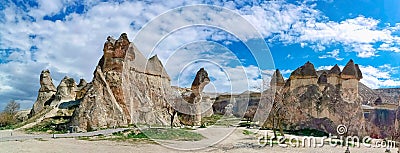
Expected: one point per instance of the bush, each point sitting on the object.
(308, 132)
(7, 117)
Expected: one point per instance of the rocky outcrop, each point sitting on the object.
(350, 77)
(126, 89)
(351, 71)
(199, 105)
(392, 94)
(66, 91)
(323, 78)
(304, 72)
(199, 82)
(46, 92)
(302, 76)
(82, 88)
(311, 107)
(277, 79)
(335, 71)
(334, 75)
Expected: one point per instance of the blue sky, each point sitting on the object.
(67, 36)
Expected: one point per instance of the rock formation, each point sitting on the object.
(334, 75)
(304, 75)
(46, 92)
(82, 88)
(277, 79)
(66, 91)
(350, 77)
(323, 100)
(126, 89)
(198, 105)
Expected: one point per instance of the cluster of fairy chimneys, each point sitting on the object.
(307, 75)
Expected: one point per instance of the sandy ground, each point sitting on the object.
(235, 142)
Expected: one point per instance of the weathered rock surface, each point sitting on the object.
(198, 105)
(82, 88)
(335, 71)
(46, 92)
(351, 71)
(310, 107)
(66, 91)
(334, 98)
(126, 89)
(277, 79)
(305, 71)
(393, 93)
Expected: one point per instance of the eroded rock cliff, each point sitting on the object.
(126, 89)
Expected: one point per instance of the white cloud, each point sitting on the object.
(374, 77)
(333, 54)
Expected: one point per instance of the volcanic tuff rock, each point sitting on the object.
(199, 82)
(66, 91)
(351, 71)
(305, 71)
(335, 71)
(393, 93)
(277, 79)
(82, 88)
(199, 105)
(46, 92)
(126, 89)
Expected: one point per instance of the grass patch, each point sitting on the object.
(48, 126)
(247, 124)
(208, 121)
(170, 134)
(147, 135)
(307, 132)
(247, 132)
(8, 127)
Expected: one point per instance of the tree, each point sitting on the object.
(12, 107)
(7, 117)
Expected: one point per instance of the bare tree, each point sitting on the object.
(7, 117)
(12, 107)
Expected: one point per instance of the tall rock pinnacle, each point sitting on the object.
(46, 92)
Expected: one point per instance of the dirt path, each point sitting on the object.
(235, 142)
(16, 135)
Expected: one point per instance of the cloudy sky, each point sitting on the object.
(67, 36)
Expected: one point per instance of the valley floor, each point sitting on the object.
(236, 141)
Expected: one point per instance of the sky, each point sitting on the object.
(239, 43)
